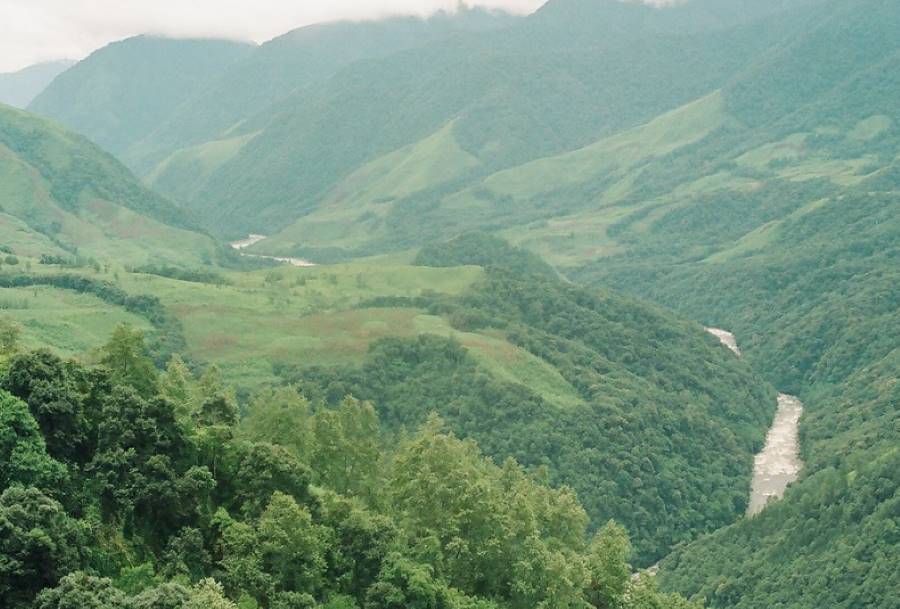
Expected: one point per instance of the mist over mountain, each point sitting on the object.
(19, 88)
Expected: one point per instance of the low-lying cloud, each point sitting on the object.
(40, 30)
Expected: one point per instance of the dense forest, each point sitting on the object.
(123, 487)
(660, 439)
(815, 310)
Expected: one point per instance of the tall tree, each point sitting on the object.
(23, 453)
(39, 544)
(46, 383)
(127, 356)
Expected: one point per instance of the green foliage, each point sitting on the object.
(44, 382)
(481, 249)
(9, 336)
(127, 358)
(39, 544)
(156, 519)
(652, 427)
(181, 274)
(608, 567)
(23, 452)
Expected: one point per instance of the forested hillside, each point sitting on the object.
(121, 92)
(647, 418)
(638, 411)
(817, 309)
(124, 488)
(809, 285)
(537, 89)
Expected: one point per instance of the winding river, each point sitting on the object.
(778, 464)
(254, 239)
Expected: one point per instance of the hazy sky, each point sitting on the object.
(39, 30)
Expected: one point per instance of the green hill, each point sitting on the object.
(536, 90)
(121, 92)
(676, 186)
(62, 196)
(638, 411)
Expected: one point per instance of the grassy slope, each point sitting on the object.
(354, 212)
(62, 195)
(264, 322)
(67, 322)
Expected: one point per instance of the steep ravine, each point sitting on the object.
(778, 464)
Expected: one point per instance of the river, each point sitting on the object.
(254, 239)
(778, 464)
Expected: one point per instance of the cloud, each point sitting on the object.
(39, 30)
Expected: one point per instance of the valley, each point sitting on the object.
(778, 464)
(254, 239)
(592, 306)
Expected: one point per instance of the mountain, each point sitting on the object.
(61, 195)
(19, 88)
(293, 64)
(537, 89)
(604, 198)
(656, 170)
(817, 303)
(792, 241)
(269, 140)
(122, 91)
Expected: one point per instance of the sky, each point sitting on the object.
(32, 31)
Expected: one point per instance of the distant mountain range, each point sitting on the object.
(19, 88)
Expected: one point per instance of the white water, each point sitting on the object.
(254, 239)
(778, 464)
(250, 240)
(726, 338)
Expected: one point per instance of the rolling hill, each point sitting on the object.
(639, 411)
(62, 196)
